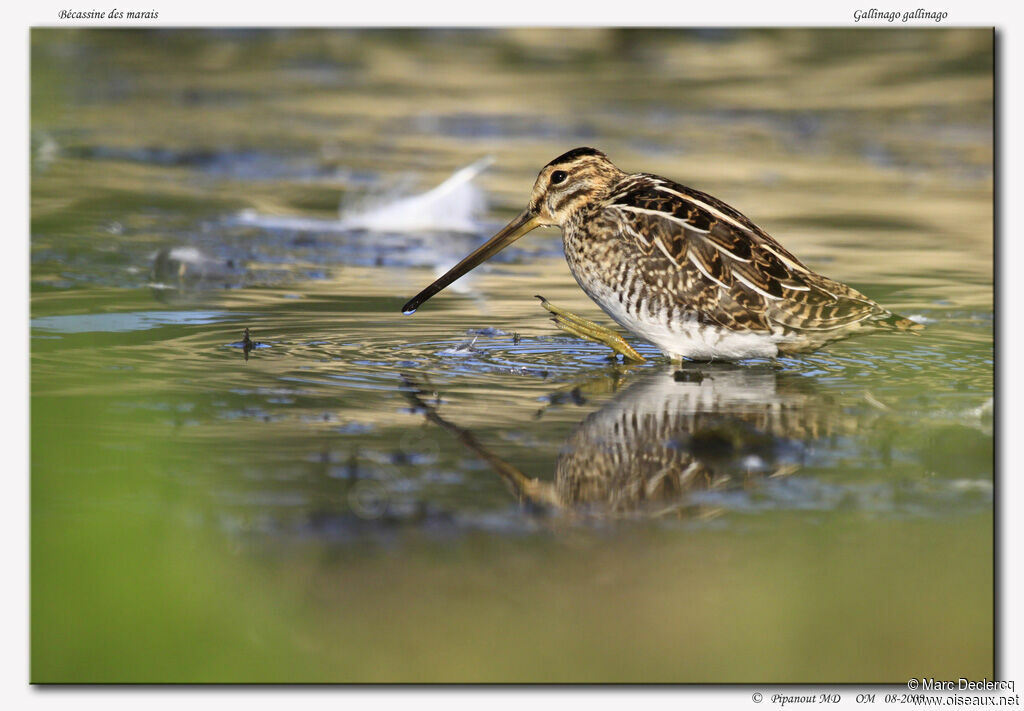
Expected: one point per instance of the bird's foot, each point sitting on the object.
(590, 331)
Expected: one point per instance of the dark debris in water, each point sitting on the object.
(919, 498)
(687, 376)
(247, 344)
(393, 523)
(222, 163)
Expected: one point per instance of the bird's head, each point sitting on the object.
(569, 183)
(563, 188)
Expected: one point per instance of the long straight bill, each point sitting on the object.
(518, 227)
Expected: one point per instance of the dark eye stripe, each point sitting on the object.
(568, 197)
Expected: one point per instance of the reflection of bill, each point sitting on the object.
(668, 434)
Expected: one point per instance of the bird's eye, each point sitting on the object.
(558, 176)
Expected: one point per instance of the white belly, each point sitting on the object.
(687, 338)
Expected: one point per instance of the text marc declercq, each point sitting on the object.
(962, 684)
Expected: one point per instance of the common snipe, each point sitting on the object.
(678, 268)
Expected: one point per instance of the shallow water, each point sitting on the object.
(468, 494)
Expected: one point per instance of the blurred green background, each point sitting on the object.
(200, 516)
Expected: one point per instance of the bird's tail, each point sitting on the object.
(895, 322)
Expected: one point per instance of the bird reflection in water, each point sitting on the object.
(665, 436)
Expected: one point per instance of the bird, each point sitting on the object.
(677, 268)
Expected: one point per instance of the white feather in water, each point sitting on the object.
(453, 206)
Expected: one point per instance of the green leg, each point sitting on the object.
(590, 331)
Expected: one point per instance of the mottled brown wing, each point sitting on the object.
(720, 263)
